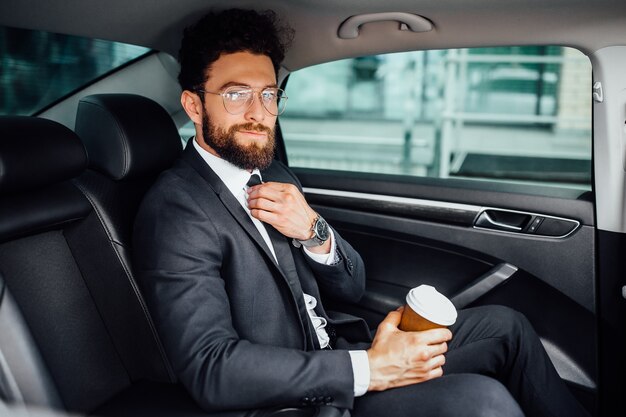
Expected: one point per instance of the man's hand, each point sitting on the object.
(284, 207)
(398, 358)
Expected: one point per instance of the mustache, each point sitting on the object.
(254, 127)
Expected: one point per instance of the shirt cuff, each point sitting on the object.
(361, 371)
(329, 258)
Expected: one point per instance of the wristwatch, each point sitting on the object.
(320, 234)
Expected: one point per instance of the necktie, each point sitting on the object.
(282, 249)
(254, 180)
(279, 242)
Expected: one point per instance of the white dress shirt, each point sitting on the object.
(235, 180)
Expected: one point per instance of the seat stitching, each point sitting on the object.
(132, 283)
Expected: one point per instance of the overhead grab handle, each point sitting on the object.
(349, 29)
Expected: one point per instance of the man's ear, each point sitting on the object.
(192, 105)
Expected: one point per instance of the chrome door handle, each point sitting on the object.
(503, 220)
(497, 224)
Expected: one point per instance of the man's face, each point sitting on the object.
(247, 139)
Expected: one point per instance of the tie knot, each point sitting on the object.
(254, 180)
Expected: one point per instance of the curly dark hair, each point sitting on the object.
(230, 31)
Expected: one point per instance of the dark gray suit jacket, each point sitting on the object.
(233, 322)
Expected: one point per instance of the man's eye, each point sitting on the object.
(268, 95)
(237, 95)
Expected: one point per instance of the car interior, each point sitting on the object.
(75, 333)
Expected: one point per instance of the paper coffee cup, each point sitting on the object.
(426, 308)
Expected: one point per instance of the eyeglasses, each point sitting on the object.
(237, 99)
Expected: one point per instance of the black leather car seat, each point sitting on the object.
(24, 377)
(74, 332)
(56, 259)
(129, 140)
(40, 211)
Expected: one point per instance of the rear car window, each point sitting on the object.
(38, 68)
(520, 114)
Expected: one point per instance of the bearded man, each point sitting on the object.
(234, 265)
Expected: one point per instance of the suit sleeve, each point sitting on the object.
(344, 280)
(178, 258)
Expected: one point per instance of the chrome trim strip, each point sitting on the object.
(394, 199)
(417, 202)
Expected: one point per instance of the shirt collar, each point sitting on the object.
(232, 176)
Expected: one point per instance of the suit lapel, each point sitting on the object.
(288, 270)
(282, 247)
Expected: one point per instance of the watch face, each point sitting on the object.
(321, 229)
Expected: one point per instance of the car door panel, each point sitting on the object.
(414, 231)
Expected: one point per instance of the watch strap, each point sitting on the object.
(315, 240)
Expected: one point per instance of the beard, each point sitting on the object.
(248, 157)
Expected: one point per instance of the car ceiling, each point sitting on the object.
(586, 25)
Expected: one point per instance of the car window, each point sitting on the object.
(38, 68)
(502, 113)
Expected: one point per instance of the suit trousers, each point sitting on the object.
(495, 366)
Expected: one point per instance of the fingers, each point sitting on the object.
(423, 354)
(426, 369)
(434, 363)
(425, 373)
(439, 349)
(272, 198)
(437, 362)
(265, 216)
(433, 336)
(435, 373)
(398, 358)
(283, 206)
(274, 191)
(392, 321)
(263, 204)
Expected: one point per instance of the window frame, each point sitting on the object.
(573, 191)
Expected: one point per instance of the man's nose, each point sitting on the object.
(256, 111)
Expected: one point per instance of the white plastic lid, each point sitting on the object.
(429, 303)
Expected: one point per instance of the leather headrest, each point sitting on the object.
(36, 152)
(126, 135)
